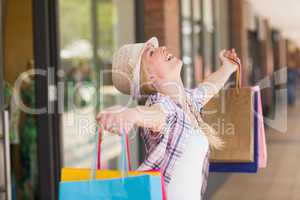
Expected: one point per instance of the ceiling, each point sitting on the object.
(283, 14)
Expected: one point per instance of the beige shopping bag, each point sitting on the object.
(230, 113)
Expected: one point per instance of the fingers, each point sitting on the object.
(233, 52)
(104, 121)
(222, 54)
(114, 122)
(104, 118)
(230, 55)
(230, 58)
(108, 111)
(109, 122)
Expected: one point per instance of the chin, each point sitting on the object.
(177, 66)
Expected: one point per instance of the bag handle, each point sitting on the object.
(239, 75)
(125, 149)
(99, 142)
(238, 78)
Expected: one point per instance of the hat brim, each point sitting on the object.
(155, 43)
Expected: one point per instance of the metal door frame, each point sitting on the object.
(45, 30)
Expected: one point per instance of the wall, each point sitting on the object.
(18, 38)
(162, 20)
(279, 51)
(125, 22)
(238, 33)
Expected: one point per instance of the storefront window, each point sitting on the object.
(197, 36)
(189, 38)
(220, 29)
(90, 31)
(199, 42)
(208, 37)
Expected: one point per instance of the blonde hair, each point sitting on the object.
(214, 140)
(145, 82)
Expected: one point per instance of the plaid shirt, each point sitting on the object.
(165, 147)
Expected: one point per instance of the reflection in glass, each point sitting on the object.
(90, 31)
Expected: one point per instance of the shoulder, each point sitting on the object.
(164, 101)
(196, 96)
(198, 92)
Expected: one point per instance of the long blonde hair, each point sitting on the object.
(212, 135)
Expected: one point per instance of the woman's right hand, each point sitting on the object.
(117, 118)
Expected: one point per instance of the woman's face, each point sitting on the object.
(160, 64)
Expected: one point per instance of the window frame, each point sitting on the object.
(45, 29)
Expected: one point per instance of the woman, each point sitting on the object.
(177, 140)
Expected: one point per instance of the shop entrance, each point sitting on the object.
(18, 98)
(18, 101)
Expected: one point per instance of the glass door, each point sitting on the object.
(89, 32)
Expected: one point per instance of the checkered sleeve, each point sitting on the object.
(153, 138)
(198, 96)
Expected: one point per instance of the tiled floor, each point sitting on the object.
(281, 179)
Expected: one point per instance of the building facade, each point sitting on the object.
(66, 47)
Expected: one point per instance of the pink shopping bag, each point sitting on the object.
(262, 146)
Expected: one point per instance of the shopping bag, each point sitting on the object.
(245, 133)
(262, 146)
(132, 187)
(109, 184)
(231, 114)
(243, 167)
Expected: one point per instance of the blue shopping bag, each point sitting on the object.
(242, 167)
(143, 187)
(133, 187)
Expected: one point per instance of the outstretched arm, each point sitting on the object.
(115, 118)
(216, 81)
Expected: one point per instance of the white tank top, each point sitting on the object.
(187, 178)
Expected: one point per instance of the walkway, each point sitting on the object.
(281, 179)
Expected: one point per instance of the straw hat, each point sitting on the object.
(126, 65)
